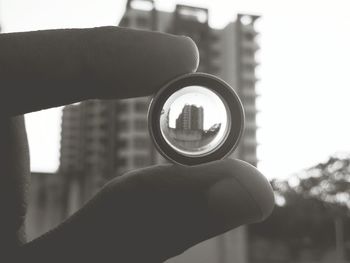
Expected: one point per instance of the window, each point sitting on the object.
(247, 52)
(214, 68)
(249, 67)
(141, 143)
(103, 140)
(140, 124)
(249, 101)
(140, 161)
(250, 133)
(123, 125)
(250, 148)
(215, 53)
(142, 21)
(249, 36)
(121, 144)
(120, 161)
(141, 106)
(121, 106)
(125, 22)
(250, 115)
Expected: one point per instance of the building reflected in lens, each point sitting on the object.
(189, 133)
(191, 118)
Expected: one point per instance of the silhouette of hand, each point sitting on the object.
(147, 215)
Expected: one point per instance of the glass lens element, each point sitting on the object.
(195, 121)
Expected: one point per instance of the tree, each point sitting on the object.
(324, 188)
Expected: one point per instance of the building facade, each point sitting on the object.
(191, 118)
(111, 137)
(102, 139)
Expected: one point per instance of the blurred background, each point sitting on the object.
(288, 62)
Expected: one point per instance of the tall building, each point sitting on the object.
(101, 139)
(191, 118)
(109, 137)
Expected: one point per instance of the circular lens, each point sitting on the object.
(196, 118)
(194, 121)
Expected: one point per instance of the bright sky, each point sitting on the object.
(304, 72)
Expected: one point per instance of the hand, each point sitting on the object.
(147, 215)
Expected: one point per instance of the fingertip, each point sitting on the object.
(144, 60)
(191, 53)
(231, 182)
(255, 183)
(175, 55)
(238, 192)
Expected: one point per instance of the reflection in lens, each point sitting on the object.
(195, 121)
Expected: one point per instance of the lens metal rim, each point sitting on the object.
(225, 92)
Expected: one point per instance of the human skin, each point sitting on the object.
(146, 215)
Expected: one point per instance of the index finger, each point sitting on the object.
(44, 69)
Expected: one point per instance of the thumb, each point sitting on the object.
(153, 214)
